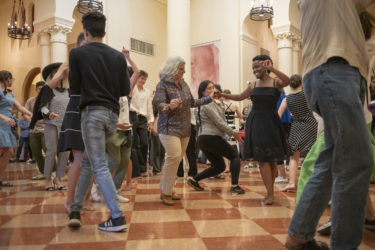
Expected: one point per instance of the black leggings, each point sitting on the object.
(215, 148)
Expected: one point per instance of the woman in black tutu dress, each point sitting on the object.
(265, 137)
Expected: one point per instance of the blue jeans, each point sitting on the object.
(342, 171)
(98, 125)
(23, 140)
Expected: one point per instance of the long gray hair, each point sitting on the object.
(170, 67)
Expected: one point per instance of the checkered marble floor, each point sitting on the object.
(31, 218)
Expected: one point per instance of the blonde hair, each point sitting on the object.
(170, 67)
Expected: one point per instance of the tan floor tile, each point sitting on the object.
(87, 233)
(168, 244)
(266, 212)
(280, 237)
(247, 195)
(28, 247)
(15, 209)
(256, 188)
(228, 228)
(37, 220)
(216, 184)
(197, 204)
(159, 216)
(148, 186)
(28, 194)
(146, 197)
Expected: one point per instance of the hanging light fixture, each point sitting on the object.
(261, 10)
(18, 28)
(85, 6)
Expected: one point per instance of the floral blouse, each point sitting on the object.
(175, 122)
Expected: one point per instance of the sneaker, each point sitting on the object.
(237, 190)
(281, 180)
(247, 166)
(113, 225)
(30, 161)
(370, 225)
(325, 229)
(122, 199)
(74, 219)
(38, 177)
(95, 193)
(313, 245)
(194, 184)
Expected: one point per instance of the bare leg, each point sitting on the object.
(281, 170)
(274, 172)
(73, 176)
(5, 154)
(268, 179)
(370, 213)
(293, 166)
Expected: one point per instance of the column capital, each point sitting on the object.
(296, 45)
(58, 33)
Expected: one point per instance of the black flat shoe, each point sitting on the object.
(49, 188)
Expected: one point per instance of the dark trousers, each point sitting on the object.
(215, 148)
(157, 153)
(23, 140)
(140, 143)
(191, 154)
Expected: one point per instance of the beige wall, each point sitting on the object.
(144, 20)
(213, 20)
(17, 56)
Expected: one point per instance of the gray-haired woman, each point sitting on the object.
(173, 99)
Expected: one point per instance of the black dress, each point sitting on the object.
(265, 137)
(70, 134)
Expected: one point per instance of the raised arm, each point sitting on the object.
(282, 79)
(60, 75)
(134, 77)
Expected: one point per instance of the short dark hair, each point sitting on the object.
(218, 87)
(80, 38)
(143, 73)
(94, 23)
(262, 58)
(40, 83)
(295, 81)
(227, 91)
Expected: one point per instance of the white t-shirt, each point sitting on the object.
(332, 28)
(142, 103)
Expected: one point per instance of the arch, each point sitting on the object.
(27, 83)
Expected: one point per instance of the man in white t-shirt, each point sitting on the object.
(335, 64)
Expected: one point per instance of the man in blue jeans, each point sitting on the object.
(335, 63)
(99, 74)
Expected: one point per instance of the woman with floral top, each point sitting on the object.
(174, 100)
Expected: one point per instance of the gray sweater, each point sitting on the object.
(213, 121)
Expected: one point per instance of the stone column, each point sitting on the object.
(296, 61)
(59, 47)
(285, 45)
(178, 32)
(44, 39)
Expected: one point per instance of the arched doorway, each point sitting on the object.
(31, 79)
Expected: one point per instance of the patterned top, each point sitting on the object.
(175, 122)
(58, 105)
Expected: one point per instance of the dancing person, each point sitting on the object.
(265, 140)
(303, 129)
(36, 135)
(212, 131)
(7, 122)
(335, 62)
(100, 83)
(174, 100)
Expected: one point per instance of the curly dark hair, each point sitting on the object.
(295, 81)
